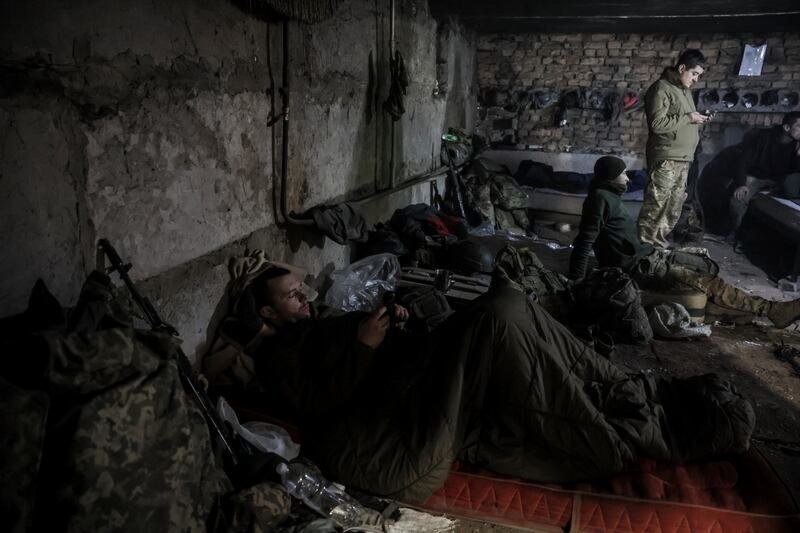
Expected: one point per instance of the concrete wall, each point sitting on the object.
(147, 123)
(514, 66)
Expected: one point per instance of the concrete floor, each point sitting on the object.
(741, 352)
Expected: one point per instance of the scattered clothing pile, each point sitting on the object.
(498, 197)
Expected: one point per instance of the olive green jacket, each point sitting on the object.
(672, 135)
(500, 384)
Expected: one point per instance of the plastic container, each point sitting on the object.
(306, 484)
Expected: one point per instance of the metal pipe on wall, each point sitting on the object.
(430, 175)
(287, 217)
(392, 49)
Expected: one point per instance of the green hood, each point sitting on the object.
(608, 186)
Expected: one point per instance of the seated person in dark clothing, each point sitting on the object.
(499, 384)
(767, 160)
(607, 228)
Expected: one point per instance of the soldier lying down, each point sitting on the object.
(499, 384)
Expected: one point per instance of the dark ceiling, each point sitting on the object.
(624, 16)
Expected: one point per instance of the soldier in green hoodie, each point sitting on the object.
(608, 228)
(673, 124)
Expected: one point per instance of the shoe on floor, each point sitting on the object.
(782, 314)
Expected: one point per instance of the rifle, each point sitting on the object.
(233, 448)
(454, 184)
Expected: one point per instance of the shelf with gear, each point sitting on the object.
(747, 100)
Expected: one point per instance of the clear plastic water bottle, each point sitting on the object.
(321, 495)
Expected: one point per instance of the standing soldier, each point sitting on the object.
(672, 122)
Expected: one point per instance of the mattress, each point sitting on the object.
(742, 494)
(560, 206)
(573, 161)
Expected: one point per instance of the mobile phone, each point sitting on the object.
(708, 113)
(389, 300)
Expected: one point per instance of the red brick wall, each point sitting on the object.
(517, 65)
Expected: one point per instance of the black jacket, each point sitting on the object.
(764, 155)
(608, 228)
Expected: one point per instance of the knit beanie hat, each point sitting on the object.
(608, 167)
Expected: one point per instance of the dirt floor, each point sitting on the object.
(741, 350)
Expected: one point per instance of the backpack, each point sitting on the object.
(427, 308)
(523, 267)
(609, 299)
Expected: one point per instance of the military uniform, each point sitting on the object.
(671, 144)
(692, 270)
(607, 228)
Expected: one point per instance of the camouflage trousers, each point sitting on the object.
(676, 269)
(663, 200)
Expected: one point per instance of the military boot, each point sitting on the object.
(784, 313)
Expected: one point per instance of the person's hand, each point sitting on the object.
(698, 118)
(741, 193)
(400, 313)
(372, 330)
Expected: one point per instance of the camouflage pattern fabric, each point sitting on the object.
(135, 452)
(23, 417)
(523, 268)
(125, 448)
(482, 195)
(259, 509)
(510, 203)
(499, 198)
(682, 269)
(515, 221)
(663, 201)
(663, 268)
(507, 194)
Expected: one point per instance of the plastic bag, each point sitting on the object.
(485, 229)
(265, 437)
(271, 438)
(514, 237)
(360, 286)
(671, 320)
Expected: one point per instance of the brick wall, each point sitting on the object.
(512, 68)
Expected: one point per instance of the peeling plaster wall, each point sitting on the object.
(340, 79)
(187, 176)
(148, 124)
